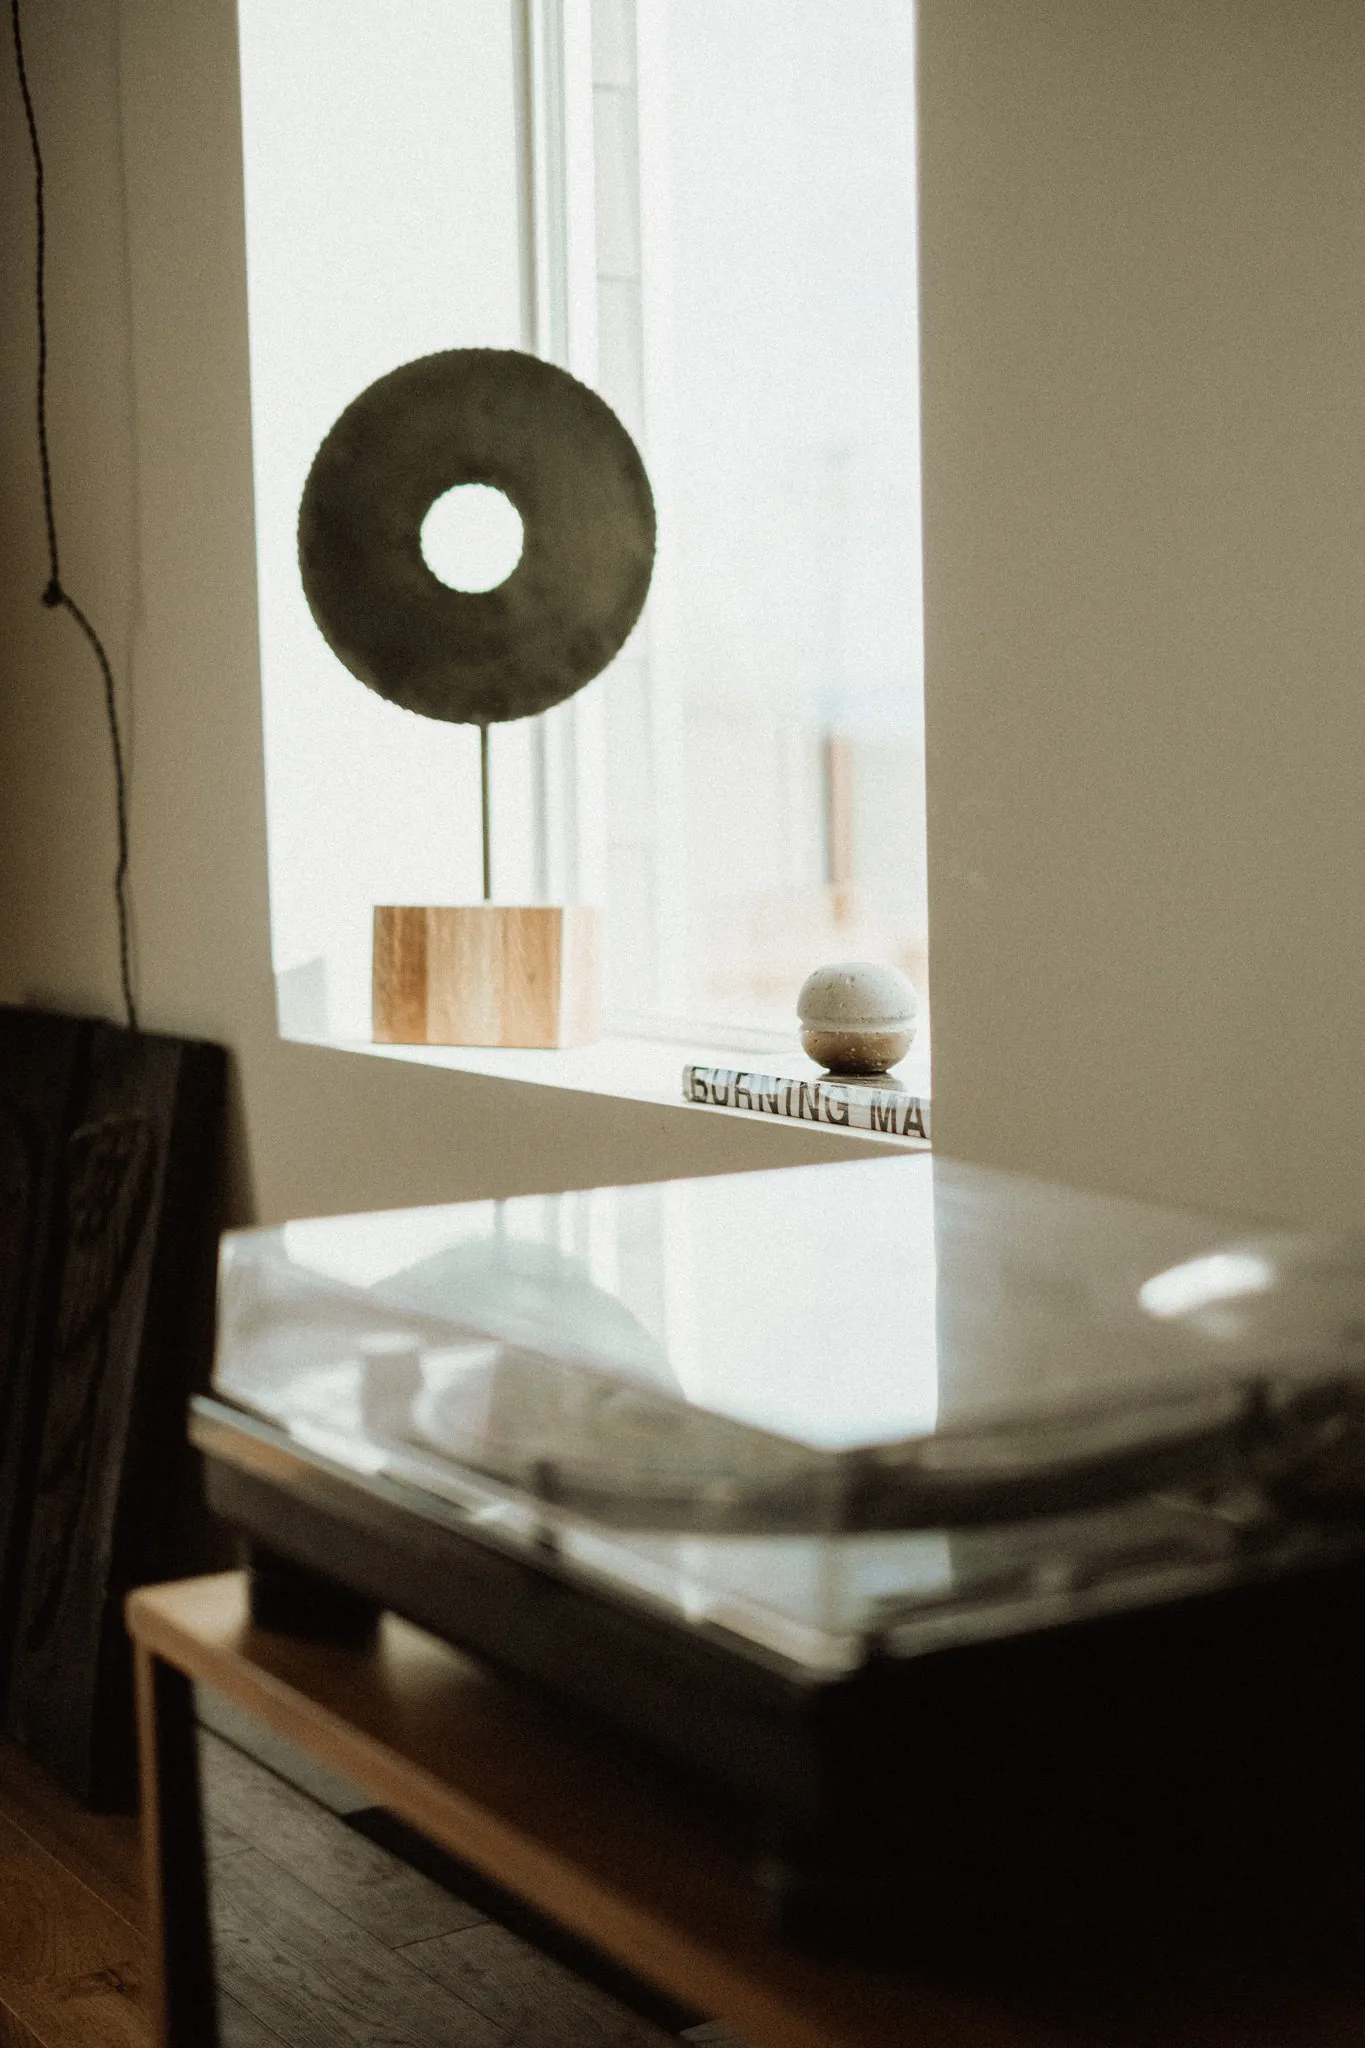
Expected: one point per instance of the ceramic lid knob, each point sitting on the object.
(857, 1017)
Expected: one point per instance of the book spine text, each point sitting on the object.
(824, 1101)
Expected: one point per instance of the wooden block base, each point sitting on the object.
(486, 974)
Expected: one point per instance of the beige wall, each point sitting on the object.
(1144, 336)
(152, 460)
(1144, 246)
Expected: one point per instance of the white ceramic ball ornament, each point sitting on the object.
(857, 1017)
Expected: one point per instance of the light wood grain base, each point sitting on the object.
(486, 974)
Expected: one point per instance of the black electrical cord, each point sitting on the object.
(55, 596)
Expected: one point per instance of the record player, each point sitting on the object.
(986, 1552)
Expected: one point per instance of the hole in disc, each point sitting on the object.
(472, 537)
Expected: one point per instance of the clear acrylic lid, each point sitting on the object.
(892, 1397)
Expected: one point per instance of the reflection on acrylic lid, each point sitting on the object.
(836, 1306)
(905, 1399)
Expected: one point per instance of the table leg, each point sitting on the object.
(173, 1846)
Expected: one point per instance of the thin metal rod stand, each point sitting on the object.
(483, 808)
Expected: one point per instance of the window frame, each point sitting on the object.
(553, 770)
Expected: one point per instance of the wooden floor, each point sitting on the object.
(73, 1954)
(324, 1939)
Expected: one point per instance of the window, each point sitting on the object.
(707, 211)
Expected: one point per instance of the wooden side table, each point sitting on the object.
(499, 1779)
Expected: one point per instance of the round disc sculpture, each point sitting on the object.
(477, 416)
(530, 430)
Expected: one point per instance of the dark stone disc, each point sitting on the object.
(477, 416)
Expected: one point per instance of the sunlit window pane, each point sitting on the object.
(773, 235)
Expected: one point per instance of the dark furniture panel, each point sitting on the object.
(41, 1066)
(123, 1264)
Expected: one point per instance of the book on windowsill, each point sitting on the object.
(822, 1099)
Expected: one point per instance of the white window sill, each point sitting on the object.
(637, 1070)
